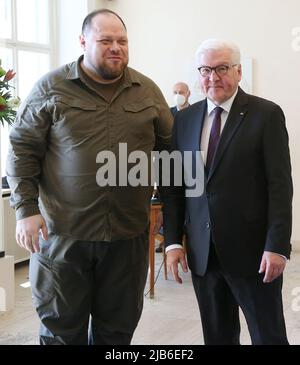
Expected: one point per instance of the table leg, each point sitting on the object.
(151, 253)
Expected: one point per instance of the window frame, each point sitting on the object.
(15, 46)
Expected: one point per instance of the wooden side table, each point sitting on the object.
(155, 210)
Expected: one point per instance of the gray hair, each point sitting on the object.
(219, 44)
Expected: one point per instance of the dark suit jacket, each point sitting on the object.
(246, 206)
(174, 111)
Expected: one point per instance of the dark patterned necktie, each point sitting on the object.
(214, 137)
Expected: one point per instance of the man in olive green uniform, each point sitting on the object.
(89, 243)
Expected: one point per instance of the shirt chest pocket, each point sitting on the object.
(139, 106)
(140, 118)
(74, 120)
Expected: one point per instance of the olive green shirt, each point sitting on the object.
(59, 131)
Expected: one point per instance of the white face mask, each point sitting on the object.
(179, 100)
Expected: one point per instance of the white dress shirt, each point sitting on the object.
(208, 121)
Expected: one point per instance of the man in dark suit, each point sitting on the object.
(181, 94)
(238, 231)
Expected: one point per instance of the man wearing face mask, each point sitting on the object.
(181, 93)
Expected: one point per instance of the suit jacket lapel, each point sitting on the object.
(198, 118)
(235, 117)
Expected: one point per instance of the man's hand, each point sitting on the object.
(27, 232)
(174, 257)
(272, 265)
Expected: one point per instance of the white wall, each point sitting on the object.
(164, 35)
(70, 15)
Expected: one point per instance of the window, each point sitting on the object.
(26, 45)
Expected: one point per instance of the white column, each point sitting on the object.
(7, 266)
(7, 283)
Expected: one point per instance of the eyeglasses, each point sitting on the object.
(205, 71)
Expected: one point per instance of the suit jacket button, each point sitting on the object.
(208, 225)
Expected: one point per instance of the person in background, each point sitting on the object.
(89, 242)
(181, 94)
(238, 230)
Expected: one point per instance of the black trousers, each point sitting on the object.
(89, 292)
(219, 297)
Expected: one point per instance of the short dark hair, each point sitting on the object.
(88, 19)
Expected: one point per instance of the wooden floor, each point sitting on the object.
(171, 318)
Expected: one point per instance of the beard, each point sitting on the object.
(109, 73)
